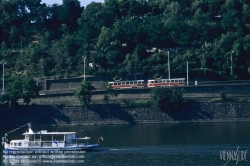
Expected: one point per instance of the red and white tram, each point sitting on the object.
(127, 84)
(167, 82)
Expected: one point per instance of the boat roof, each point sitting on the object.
(44, 132)
(80, 138)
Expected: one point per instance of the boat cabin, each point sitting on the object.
(47, 139)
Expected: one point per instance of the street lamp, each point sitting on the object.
(84, 58)
(187, 73)
(4, 63)
(168, 70)
(231, 68)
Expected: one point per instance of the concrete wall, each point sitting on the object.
(97, 82)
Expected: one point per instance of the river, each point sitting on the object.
(148, 144)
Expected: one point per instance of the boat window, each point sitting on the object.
(15, 144)
(11, 143)
(19, 144)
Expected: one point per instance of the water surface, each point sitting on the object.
(147, 144)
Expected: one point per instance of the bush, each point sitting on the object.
(223, 96)
(137, 103)
(165, 98)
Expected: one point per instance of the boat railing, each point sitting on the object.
(34, 143)
(39, 143)
(47, 144)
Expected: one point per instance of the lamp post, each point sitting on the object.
(84, 58)
(168, 70)
(187, 73)
(231, 68)
(3, 63)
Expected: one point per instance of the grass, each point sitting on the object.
(136, 103)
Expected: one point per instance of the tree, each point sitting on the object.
(223, 96)
(110, 93)
(165, 98)
(14, 92)
(30, 90)
(21, 89)
(83, 93)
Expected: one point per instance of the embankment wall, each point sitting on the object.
(115, 114)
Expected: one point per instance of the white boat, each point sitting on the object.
(44, 141)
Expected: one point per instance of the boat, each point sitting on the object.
(44, 141)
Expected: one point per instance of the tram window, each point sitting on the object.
(131, 82)
(19, 144)
(115, 83)
(119, 83)
(123, 83)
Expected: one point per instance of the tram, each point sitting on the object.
(127, 84)
(166, 82)
(149, 83)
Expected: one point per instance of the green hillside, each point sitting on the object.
(126, 36)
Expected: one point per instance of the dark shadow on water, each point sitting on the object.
(189, 111)
(37, 115)
(112, 112)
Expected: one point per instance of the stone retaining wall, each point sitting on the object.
(115, 114)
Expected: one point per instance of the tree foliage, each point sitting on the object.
(21, 89)
(110, 92)
(165, 98)
(30, 90)
(126, 36)
(83, 93)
